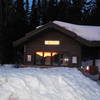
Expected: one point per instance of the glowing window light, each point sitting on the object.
(39, 53)
(47, 54)
(74, 60)
(51, 42)
(29, 58)
(54, 53)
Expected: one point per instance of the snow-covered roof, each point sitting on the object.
(91, 33)
(88, 35)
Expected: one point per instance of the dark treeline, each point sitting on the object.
(18, 18)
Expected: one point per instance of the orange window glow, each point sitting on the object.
(39, 53)
(46, 54)
(54, 53)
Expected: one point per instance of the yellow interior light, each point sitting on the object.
(39, 53)
(49, 42)
(54, 53)
(46, 54)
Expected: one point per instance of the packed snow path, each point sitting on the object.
(46, 84)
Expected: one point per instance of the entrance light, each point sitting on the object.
(52, 42)
(87, 68)
(66, 59)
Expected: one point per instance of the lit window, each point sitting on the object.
(39, 53)
(74, 60)
(52, 42)
(29, 58)
(54, 53)
(46, 54)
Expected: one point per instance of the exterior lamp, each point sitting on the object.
(81, 67)
(87, 68)
(66, 59)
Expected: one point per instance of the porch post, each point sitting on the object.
(94, 62)
(34, 58)
(43, 59)
(51, 59)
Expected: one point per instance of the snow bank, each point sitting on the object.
(91, 33)
(46, 84)
(8, 65)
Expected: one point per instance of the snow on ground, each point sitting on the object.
(86, 32)
(46, 84)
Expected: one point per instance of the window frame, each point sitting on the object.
(29, 58)
(74, 59)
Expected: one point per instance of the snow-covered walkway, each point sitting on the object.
(46, 84)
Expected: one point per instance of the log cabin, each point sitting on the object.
(59, 44)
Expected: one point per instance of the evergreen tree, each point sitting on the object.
(1, 31)
(50, 13)
(63, 10)
(34, 14)
(27, 12)
(27, 16)
(6, 14)
(75, 11)
(21, 23)
(27, 6)
(91, 13)
(97, 19)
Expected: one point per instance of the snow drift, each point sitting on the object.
(46, 84)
